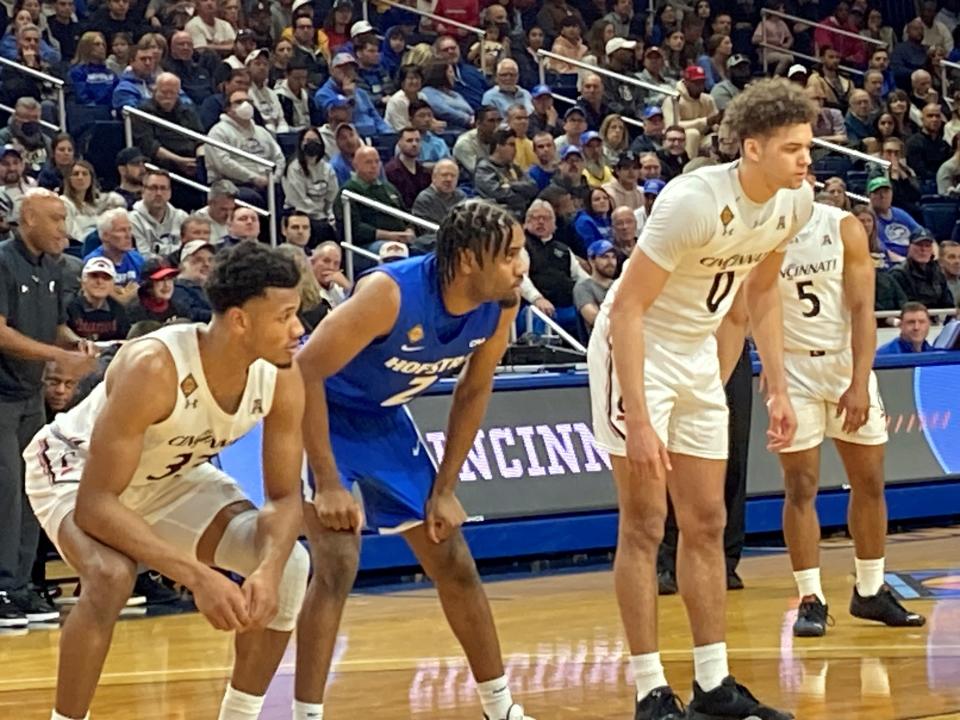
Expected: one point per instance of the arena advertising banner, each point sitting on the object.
(536, 455)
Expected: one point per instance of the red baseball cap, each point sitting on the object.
(694, 72)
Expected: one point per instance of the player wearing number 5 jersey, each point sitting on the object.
(125, 478)
(827, 288)
(656, 382)
(406, 325)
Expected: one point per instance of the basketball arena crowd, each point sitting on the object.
(325, 96)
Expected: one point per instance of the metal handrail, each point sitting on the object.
(552, 324)
(130, 112)
(852, 195)
(935, 312)
(55, 81)
(626, 118)
(944, 82)
(593, 67)
(845, 68)
(177, 177)
(348, 196)
(885, 164)
(805, 21)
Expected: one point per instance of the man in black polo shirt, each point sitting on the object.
(32, 332)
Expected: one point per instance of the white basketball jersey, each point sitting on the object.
(815, 316)
(730, 236)
(196, 430)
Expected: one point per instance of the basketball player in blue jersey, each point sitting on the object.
(406, 325)
(125, 477)
(656, 383)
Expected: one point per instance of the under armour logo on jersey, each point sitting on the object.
(257, 408)
(191, 404)
(726, 217)
(188, 385)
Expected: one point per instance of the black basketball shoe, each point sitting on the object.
(666, 583)
(885, 608)
(811, 618)
(659, 704)
(730, 701)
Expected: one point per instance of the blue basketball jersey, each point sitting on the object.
(425, 344)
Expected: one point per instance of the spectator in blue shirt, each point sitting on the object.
(343, 81)
(116, 236)
(135, 84)
(894, 225)
(507, 93)
(448, 105)
(27, 36)
(92, 81)
(432, 147)
(914, 326)
(545, 166)
(372, 76)
(592, 223)
(348, 142)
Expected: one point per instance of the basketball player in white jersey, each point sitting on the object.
(656, 383)
(830, 335)
(126, 477)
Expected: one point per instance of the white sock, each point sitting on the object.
(307, 711)
(647, 673)
(869, 576)
(495, 697)
(238, 705)
(808, 583)
(710, 665)
(57, 716)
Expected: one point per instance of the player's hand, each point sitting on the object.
(338, 510)
(444, 515)
(260, 593)
(77, 362)
(220, 601)
(854, 405)
(545, 306)
(646, 452)
(783, 422)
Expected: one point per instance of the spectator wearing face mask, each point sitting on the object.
(310, 184)
(24, 131)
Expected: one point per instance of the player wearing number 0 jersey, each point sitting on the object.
(126, 477)
(406, 325)
(657, 373)
(827, 288)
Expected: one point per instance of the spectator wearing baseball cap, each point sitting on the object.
(196, 261)
(651, 190)
(131, 168)
(652, 74)
(392, 252)
(651, 139)
(155, 296)
(343, 81)
(920, 275)
(544, 117)
(622, 98)
(623, 188)
(264, 97)
(14, 181)
(738, 75)
(94, 314)
(894, 225)
(696, 113)
(574, 125)
(590, 292)
(595, 168)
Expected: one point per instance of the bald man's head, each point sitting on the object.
(43, 222)
(366, 164)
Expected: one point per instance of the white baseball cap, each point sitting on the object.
(297, 4)
(393, 250)
(619, 43)
(193, 246)
(359, 28)
(101, 265)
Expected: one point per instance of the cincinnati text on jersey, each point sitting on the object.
(206, 438)
(734, 260)
(437, 367)
(795, 270)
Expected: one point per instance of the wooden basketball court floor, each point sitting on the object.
(564, 649)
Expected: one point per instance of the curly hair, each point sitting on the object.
(475, 225)
(245, 271)
(767, 105)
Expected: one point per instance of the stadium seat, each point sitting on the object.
(81, 118)
(857, 181)
(939, 214)
(831, 165)
(288, 144)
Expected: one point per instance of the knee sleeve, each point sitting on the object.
(237, 552)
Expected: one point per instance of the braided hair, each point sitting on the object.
(475, 225)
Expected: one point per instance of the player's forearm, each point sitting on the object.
(730, 337)
(19, 345)
(863, 342)
(278, 527)
(466, 413)
(316, 434)
(103, 517)
(629, 351)
(766, 320)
